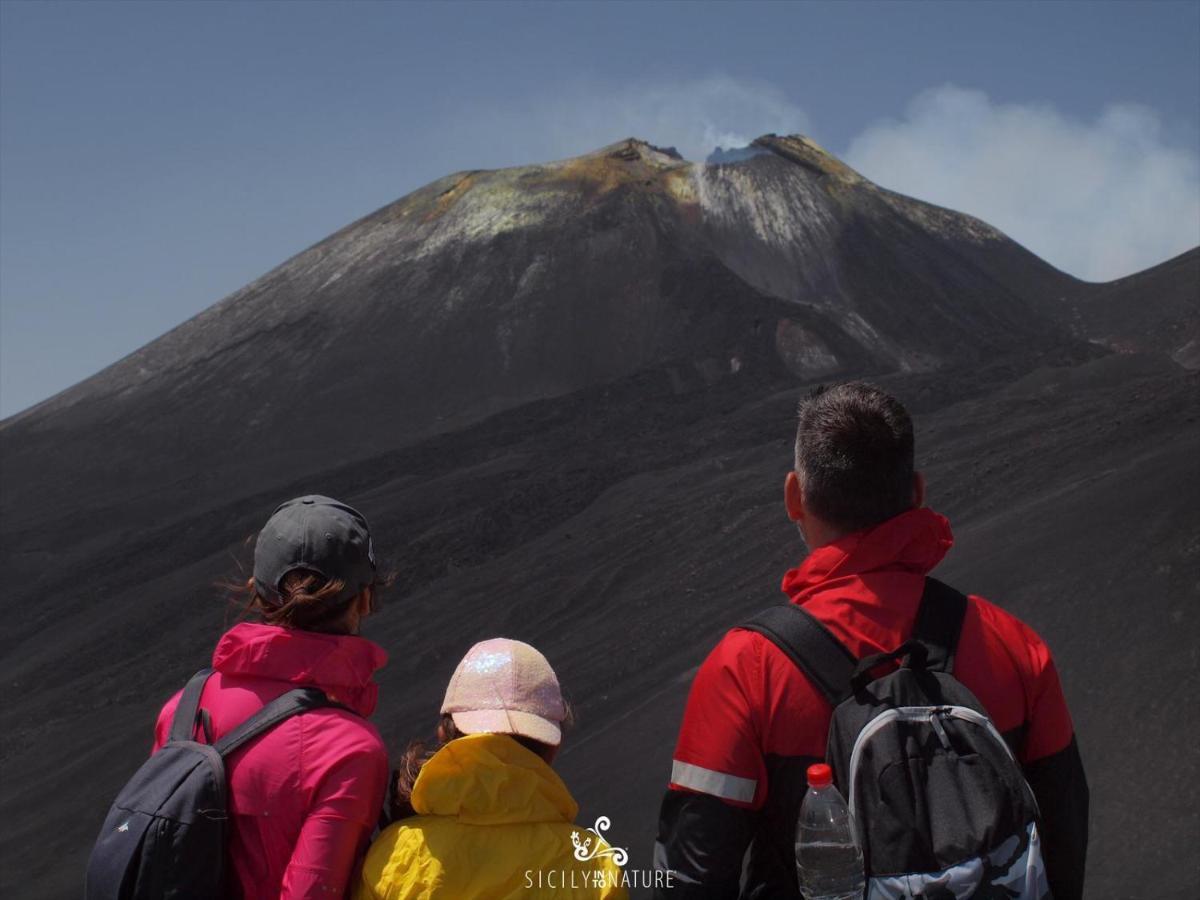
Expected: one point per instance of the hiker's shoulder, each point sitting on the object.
(751, 659)
(343, 730)
(735, 658)
(739, 646)
(994, 617)
(1004, 629)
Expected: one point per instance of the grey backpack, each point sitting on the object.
(941, 805)
(165, 834)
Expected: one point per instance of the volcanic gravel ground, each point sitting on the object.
(622, 530)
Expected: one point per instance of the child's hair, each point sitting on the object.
(419, 752)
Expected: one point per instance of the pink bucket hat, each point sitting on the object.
(506, 687)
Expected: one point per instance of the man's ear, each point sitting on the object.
(918, 494)
(793, 496)
(366, 601)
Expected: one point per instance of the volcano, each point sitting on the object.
(563, 394)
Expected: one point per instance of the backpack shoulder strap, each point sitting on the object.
(939, 624)
(183, 723)
(290, 704)
(810, 645)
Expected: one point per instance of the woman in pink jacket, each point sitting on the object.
(305, 796)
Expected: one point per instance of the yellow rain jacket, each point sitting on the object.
(494, 820)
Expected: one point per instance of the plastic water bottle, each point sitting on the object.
(828, 858)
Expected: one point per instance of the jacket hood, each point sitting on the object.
(490, 779)
(914, 541)
(341, 665)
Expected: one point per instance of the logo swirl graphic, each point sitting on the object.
(594, 847)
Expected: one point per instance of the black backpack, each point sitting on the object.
(165, 834)
(942, 807)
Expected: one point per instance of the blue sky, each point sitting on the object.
(155, 157)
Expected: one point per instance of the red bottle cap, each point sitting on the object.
(820, 776)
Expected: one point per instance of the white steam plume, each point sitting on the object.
(1098, 199)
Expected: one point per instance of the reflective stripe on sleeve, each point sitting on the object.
(718, 784)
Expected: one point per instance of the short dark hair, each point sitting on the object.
(854, 455)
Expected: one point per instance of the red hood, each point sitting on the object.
(339, 664)
(914, 542)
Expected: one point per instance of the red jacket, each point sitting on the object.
(754, 722)
(304, 797)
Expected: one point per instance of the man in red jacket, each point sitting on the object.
(754, 722)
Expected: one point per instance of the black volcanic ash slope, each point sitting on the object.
(1155, 310)
(564, 394)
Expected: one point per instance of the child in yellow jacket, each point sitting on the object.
(491, 818)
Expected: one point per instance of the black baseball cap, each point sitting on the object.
(318, 534)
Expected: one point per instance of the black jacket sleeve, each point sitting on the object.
(1061, 788)
(701, 843)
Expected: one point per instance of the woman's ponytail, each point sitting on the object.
(306, 601)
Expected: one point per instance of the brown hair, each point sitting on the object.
(419, 752)
(854, 455)
(306, 601)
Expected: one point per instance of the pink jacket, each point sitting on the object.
(305, 796)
